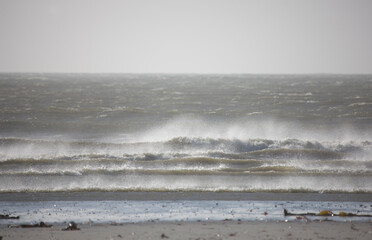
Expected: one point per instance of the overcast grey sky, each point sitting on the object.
(186, 36)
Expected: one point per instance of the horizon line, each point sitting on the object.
(181, 73)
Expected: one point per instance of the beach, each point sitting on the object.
(201, 230)
(185, 215)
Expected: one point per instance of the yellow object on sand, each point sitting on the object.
(325, 213)
(342, 214)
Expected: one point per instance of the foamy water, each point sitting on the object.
(86, 132)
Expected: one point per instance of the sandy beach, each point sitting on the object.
(184, 215)
(200, 230)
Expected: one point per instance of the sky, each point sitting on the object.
(186, 36)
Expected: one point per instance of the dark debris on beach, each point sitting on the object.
(326, 213)
(8, 217)
(38, 225)
(71, 227)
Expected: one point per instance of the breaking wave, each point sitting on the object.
(184, 163)
(180, 147)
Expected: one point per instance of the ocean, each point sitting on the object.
(185, 132)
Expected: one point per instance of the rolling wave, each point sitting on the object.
(17, 148)
(187, 182)
(187, 164)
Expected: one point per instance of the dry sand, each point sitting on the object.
(200, 230)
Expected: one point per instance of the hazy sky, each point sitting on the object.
(186, 36)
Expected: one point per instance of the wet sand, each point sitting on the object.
(128, 207)
(200, 230)
(185, 215)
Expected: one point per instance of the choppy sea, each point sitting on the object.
(163, 132)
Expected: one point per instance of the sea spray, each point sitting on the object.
(125, 132)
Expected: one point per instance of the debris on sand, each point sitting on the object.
(8, 217)
(71, 226)
(326, 213)
(38, 225)
(286, 213)
(41, 225)
(164, 236)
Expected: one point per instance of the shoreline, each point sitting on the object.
(183, 215)
(180, 195)
(129, 207)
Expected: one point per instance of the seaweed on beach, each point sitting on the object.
(8, 217)
(37, 225)
(40, 225)
(326, 213)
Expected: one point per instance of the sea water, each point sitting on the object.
(163, 132)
